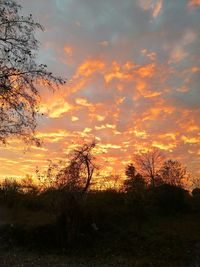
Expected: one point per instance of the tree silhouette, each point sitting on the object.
(20, 75)
(76, 179)
(134, 182)
(130, 171)
(77, 175)
(173, 173)
(134, 187)
(67, 184)
(149, 164)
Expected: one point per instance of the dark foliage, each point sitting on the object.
(155, 222)
(173, 173)
(169, 198)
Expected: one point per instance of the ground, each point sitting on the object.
(17, 258)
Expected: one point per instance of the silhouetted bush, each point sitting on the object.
(169, 198)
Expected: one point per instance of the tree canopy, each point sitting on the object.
(173, 173)
(149, 164)
(20, 74)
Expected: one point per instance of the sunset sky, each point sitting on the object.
(133, 70)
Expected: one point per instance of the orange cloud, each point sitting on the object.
(191, 140)
(168, 135)
(146, 71)
(74, 118)
(56, 109)
(97, 117)
(154, 6)
(120, 130)
(117, 73)
(157, 8)
(83, 102)
(194, 2)
(141, 134)
(163, 146)
(59, 133)
(89, 67)
(154, 112)
(110, 126)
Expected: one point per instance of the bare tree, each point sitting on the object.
(71, 175)
(149, 164)
(77, 175)
(66, 186)
(173, 173)
(75, 179)
(19, 73)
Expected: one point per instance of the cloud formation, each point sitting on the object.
(133, 81)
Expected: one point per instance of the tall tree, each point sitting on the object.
(149, 164)
(20, 74)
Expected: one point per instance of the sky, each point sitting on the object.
(133, 70)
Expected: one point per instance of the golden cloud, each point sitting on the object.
(89, 67)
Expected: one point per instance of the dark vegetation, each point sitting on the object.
(157, 221)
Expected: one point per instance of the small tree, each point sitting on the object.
(19, 73)
(134, 182)
(130, 171)
(11, 190)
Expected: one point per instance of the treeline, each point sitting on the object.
(66, 215)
